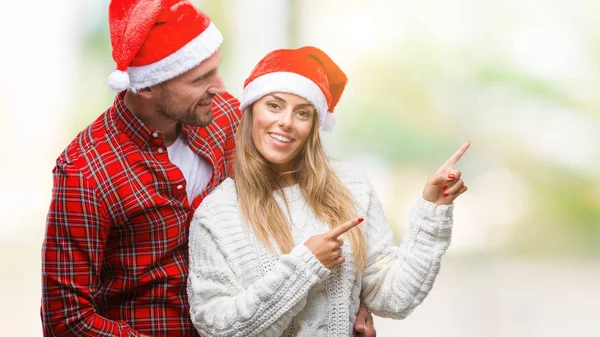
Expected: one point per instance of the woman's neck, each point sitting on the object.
(287, 180)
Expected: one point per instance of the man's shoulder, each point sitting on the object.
(227, 106)
(228, 97)
(88, 144)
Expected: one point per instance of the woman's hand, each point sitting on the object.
(446, 184)
(327, 247)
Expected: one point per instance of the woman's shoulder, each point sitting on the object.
(221, 198)
(355, 180)
(224, 191)
(350, 174)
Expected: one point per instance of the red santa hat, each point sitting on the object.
(307, 72)
(156, 40)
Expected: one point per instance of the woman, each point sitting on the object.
(278, 250)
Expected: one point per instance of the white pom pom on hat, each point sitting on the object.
(118, 80)
(307, 72)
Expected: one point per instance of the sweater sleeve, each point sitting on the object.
(221, 305)
(397, 279)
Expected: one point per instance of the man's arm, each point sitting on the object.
(76, 231)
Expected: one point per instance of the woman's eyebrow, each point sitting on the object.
(284, 101)
(277, 98)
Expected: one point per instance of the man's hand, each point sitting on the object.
(363, 325)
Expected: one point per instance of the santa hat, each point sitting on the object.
(156, 40)
(307, 72)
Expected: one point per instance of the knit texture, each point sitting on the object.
(237, 287)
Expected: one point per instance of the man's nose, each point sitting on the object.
(217, 85)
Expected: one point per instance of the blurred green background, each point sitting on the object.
(521, 80)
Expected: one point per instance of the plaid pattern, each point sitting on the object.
(115, 254)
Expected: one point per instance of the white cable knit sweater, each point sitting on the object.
(237, 287)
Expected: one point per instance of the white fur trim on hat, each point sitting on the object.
(184, 59)
(287, 82)
(329, 122)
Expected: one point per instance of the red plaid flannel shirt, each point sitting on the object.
(115, 254)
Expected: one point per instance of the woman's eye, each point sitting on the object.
(303, 113)
(273, 105)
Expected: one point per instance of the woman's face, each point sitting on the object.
(281, 124)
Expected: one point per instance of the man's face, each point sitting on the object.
(187, 98)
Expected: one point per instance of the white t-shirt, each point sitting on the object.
(195, 168)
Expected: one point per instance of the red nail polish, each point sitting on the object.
(444, 187)
(445, 194)
(451, 176)
(360, 220)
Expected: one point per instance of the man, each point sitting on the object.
(115, 253)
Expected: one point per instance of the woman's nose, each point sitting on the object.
(285, 119)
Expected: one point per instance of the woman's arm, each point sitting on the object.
(397, 279)
(221, 306)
